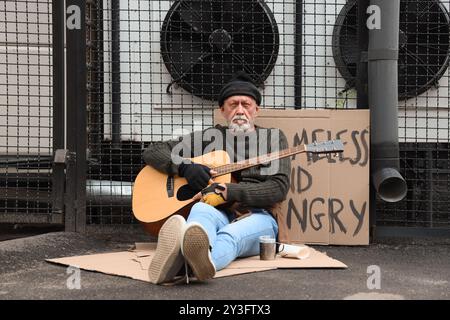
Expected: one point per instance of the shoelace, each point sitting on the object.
(185, 277)
(180, 279)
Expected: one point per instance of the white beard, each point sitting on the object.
(237, 128)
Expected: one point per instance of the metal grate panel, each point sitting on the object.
(150, 64)
(26, 106)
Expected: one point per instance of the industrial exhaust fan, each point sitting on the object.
(423, 45)
(205, 42)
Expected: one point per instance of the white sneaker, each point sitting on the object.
(168, 259)
(195, 249)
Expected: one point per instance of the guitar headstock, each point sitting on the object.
(331, 146)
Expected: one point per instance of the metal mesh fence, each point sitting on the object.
(26, 109)
(423, 116)
(155, 66)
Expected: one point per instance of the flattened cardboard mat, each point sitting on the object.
(135, 263)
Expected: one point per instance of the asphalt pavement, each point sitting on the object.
(407, 268)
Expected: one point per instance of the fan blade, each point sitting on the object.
(433, 48)
(419, 62)
(425, 9)
(198, 15)
(247, 67)
(238, 14)
(227, 8)
(440, 24)
(179, 30)
(208, 77)
(186, 54)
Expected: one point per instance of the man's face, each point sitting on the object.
(240, 113)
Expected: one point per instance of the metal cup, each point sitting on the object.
(267, 248)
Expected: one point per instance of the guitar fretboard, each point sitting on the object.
(240, 165)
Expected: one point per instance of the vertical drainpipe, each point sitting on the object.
(298, 54)
(115, 74)
(362, 101)
(362, 90)
(383, 101)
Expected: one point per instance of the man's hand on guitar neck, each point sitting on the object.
(214, 195)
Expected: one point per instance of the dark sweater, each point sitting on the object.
(254, 188)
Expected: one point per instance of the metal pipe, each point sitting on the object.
(59, 112)
(383, 100)
(98, 192)
(362, 100)
(115, 74)
(362, 93)
(107, 192)
(298, 54)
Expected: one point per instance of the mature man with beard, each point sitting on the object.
(229, 218)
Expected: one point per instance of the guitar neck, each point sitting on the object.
(240, 165)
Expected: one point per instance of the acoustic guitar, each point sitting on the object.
(157, 196)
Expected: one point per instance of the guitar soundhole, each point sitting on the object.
(185, 193)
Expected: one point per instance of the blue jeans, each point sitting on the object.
(232, 240)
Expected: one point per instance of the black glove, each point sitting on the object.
(197, 175)
(212, 189)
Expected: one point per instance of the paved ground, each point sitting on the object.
(410, 269)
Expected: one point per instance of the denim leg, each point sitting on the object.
(209, 217)
(241, 238)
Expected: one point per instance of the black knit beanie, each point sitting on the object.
(240, 85)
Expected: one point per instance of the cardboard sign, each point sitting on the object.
(328, 202)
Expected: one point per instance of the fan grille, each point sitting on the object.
(423, 45)
(204, 43)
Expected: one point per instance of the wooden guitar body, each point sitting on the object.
(157, 196)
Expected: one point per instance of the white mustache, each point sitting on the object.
(239, 118)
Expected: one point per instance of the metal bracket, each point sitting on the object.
(364, 56)
(64, 156)
(61, 156)
(383, 54)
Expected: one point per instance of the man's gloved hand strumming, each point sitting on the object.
(197, 175)
(214, 194)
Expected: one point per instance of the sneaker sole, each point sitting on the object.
(168, 259)
(195, 248)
